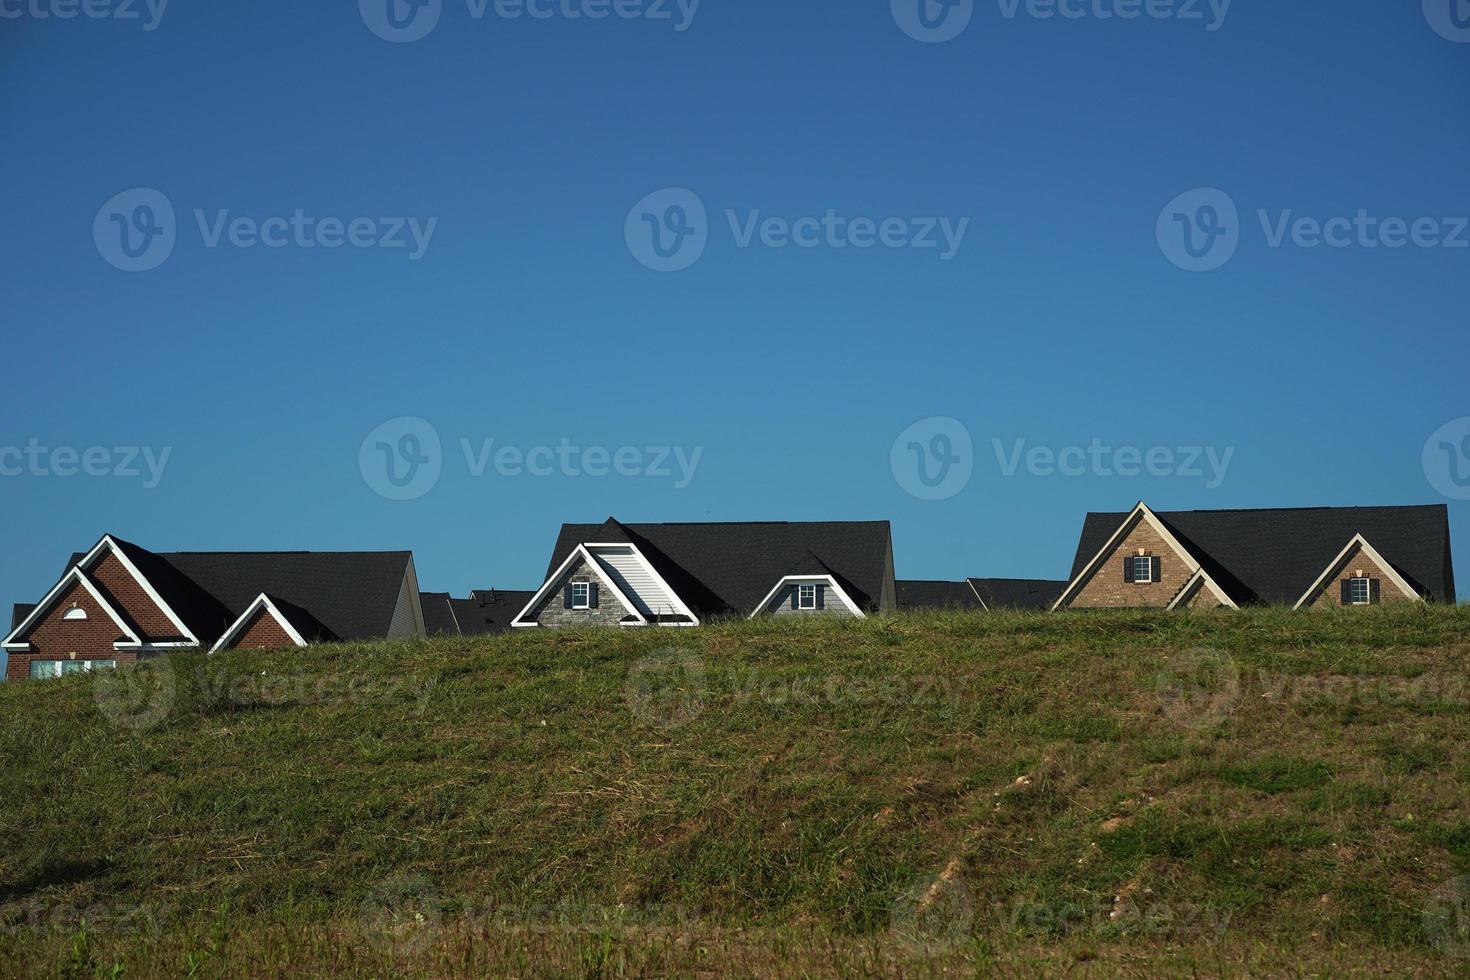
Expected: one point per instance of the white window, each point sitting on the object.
(41, 669)
(1143, 569)
(1360, 591)
(806, 597)
(76, 612)
(581, 595)
(45, 668)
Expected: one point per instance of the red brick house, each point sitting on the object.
(119, 603)
(1304, 557)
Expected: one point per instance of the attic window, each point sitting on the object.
(75, 612)
(1357, 592)
(1141, 569)
(581, 595)
(806, 597)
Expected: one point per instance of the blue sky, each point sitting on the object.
(530, 316)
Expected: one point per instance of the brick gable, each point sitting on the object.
(114, 581)
(54, 637)
(263, 633)
(1106, 589)
(1358, 564)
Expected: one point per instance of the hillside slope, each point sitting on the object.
(1128, 793)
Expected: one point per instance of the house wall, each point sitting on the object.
(1106, 588)
(57, 638)
(781, 605)
(1331, 594)
(263, 633)
(408, 612)
(122, 590)
(552, 611)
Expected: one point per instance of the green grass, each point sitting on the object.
(1119, 793)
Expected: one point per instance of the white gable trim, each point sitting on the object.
(262, 601)
(809, 579)
(521, 622)
(1209, 583)
(44, 606)
(1358, 541)
(152, 593)
(679, 605)
(1139, 513)
(978, 596)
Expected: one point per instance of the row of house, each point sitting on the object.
(119, 602)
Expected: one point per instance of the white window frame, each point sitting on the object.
(1147, 577)
(803, 590)
(59, 667)
(75, 614)
(586, 592)
(1367, 591)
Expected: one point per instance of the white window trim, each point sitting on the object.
(1192, 586)
(826, 580)
(1148, 564)
(1337, 563)
(87, 667)
(1367, 591)
(75, 614)
(262, 601)
(133, 641)
(801, 595)
(586, 602)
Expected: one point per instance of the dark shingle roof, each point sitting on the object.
(914, 594)
(438, 617)
(311, 629)
(351, 593)
(19, 613)
(728, 568)
(1273, 556)
(1018, 593)
(488, 611)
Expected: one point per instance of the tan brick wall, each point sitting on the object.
(55, 637)
(1358, 561)
(263, 633)
(127, 596)
(552, 612)
(1106, 588)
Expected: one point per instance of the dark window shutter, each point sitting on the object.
(1156, 564)
(1128, 569)
(1375, 594)
(1347, 592)
(592, 595)
(821, 597)
(796, 597)
(567, 597)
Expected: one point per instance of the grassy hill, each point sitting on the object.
(1132, 793)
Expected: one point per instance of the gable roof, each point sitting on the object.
(486, 611)
(726, 568)
(301, 626)
(1017, 593)
(351, 593)
(927, 594)
(1272, 556)
(130, 638)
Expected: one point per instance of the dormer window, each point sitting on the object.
(75, 613)
(1358, 591)
(806, 596)
(1142, 569)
